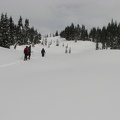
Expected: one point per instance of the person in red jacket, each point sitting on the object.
(25, 52)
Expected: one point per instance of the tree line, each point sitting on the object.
(13, 34)
(108, 36)
(73, 32)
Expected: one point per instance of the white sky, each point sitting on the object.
(47, 16)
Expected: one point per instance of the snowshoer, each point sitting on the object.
(25, 52)
(29, 52)
(43, 52)
(70, 50)
(66, 50)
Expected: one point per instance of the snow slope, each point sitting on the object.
(83, 85)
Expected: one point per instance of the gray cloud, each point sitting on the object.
(50, 15)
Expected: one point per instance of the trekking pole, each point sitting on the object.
(32, 54)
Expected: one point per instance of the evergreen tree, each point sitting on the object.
(56, 34)
(11, 32)
(20, 31)
(92, 34)
(104, 38)
(78, 32)
(83, 32)
(26, 32)
(118, 36)
(4, 31)
(72, 32)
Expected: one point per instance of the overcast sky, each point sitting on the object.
(47, 16)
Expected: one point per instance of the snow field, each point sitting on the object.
(83, 85)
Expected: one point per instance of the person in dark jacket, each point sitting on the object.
(25, 52)
(43, 52)
(29, 52)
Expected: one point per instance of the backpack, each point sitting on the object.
(26, 50)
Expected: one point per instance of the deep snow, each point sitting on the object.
(83, 85)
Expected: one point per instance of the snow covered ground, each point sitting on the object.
(83, 85)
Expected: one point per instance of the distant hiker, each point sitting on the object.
(25, 52)
(43, 52)
(29, 52)
(70, 50)
(66, 49)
